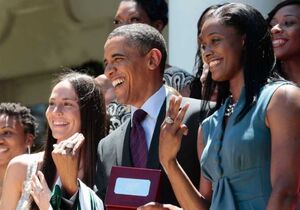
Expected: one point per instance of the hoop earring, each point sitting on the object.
(28, 149)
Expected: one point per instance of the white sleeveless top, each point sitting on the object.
(26, 199)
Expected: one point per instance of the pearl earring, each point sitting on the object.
(28, 149)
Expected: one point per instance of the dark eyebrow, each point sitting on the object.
(213, 33)
(295, 16)
(288, 15)
(117, 55)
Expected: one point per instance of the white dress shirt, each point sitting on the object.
(152, 106)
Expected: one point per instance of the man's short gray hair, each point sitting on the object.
(144, 38)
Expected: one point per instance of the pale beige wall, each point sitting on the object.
(28, 90)
(38, 37)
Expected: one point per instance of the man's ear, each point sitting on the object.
(154, 58)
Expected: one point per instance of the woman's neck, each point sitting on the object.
(236, 85)
(291, 69)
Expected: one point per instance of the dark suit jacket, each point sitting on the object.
(114, 150)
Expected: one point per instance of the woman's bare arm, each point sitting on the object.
(13, 182)
(283, 119)
(169, 145)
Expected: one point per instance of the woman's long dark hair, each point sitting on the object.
(93, 127)
(257, 59)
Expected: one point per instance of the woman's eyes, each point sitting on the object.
(66, 104)
(215, 40)
(129, 21)
(6, 133)
(288, 23)
(212, 42)
(285, 23)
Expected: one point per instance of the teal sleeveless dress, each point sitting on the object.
(237, 160)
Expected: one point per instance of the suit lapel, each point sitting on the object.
(153, 159)
(126, 155)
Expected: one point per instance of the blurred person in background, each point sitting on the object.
(116, 113)
(284, 21)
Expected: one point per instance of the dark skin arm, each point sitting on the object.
(283, 119)
(170, 140)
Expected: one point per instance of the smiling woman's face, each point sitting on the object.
(221, 48)
(285, 30)
(13, 139)
(63, 112)
(129, 12)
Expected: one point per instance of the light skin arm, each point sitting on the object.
(169, 144)
(283, 119)
(12, 184)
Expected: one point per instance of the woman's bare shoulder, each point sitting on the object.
(21, 162)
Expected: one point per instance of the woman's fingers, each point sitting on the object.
(175, 116)
(78, 142)
(69, 146)
(174, 106)
(180, 115)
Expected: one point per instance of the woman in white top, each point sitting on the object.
(76, 105)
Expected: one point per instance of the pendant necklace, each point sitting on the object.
(230, 107)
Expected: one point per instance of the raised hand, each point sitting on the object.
(66, 155)
(171, 131)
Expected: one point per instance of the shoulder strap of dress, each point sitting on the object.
(25, 199)
(268, 91)
(31, 169)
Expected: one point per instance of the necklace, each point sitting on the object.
(230, 107)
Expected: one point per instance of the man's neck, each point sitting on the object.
(146, 95)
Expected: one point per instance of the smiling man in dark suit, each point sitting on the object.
(134, 59)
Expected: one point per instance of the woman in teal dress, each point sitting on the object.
(250, 145)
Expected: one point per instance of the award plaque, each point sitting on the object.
(129, 187)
